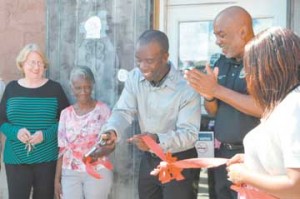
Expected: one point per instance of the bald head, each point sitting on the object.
(233, 29)
(237, 17)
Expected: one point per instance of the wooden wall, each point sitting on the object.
(21, 22)
(122, 22)
(60, 30)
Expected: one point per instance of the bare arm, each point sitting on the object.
(285, 186)
(282, 186)
(211, 107)
(57, 181)
(243, 103)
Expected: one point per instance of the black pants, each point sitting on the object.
(21, 178)
(219, 185)
(149, 186)
(211, 183)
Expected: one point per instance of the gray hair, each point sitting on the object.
(21, 58)
(82, 72)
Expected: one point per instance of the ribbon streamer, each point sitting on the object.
(170, 168)
(90, 166)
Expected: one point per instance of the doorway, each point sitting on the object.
(189, 25)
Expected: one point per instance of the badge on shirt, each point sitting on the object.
(242, 74)
(221, 77)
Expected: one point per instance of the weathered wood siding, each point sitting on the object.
(122, 22)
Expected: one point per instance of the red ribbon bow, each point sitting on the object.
(170, 169)
(167, 171)
(91, 166)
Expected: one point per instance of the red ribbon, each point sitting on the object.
(91, 166)
(167, 171)
(170, 169)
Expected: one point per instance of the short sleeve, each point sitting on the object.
(61, 134)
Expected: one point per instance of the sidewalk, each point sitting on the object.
(203, 187)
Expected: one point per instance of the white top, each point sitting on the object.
(274, 145)
(77, 134)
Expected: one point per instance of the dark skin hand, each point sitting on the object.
(138, 141)
(203, 83)
(102, 151)
(110, 138)
(110, 144)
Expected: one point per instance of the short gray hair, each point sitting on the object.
(82, 72)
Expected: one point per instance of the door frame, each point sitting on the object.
(164, 15)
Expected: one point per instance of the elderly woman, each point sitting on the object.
(271, 162)
(79, 127)
(29, 114)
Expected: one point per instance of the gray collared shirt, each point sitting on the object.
(172, 110)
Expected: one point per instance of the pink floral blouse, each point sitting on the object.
(77, 134)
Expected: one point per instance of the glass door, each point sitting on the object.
(189, 26)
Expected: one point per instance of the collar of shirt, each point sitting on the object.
(233, 61)
(169, 79)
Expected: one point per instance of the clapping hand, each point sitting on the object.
(204, 83)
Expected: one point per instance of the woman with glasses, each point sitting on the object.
(29, 114)
(79, 127)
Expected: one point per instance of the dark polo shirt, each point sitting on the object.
(232, 125)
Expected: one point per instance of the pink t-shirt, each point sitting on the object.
(78, 133)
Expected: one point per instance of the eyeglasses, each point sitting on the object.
(85, 89)
(33, 63)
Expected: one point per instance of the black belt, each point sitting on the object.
(153, 155)
(229, 146)
(190, 153)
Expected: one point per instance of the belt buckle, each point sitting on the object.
(228, 146)
(153, 155)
